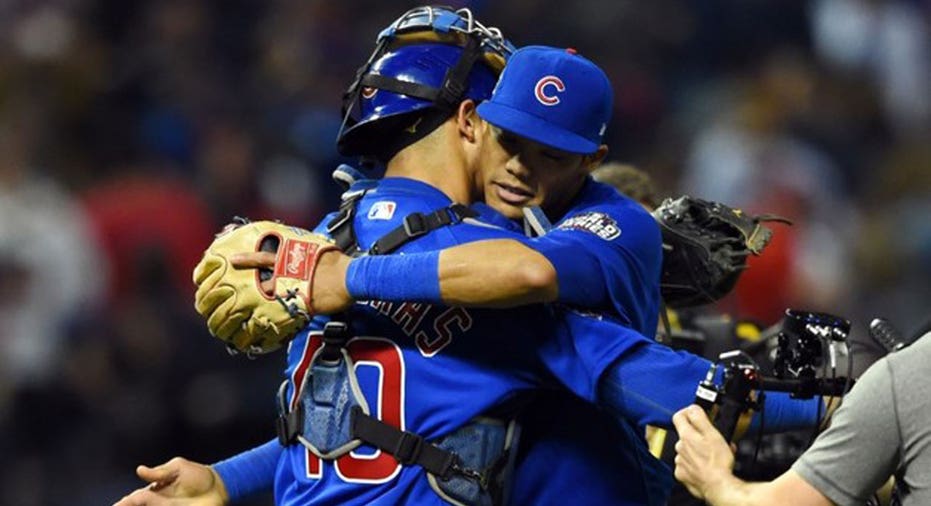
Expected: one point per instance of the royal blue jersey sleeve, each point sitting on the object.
(640, 380)
(648, 383)
(250, 471)
(607, 252)
(583, 346)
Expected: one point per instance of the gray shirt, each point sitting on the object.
(882, 427)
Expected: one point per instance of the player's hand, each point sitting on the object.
(704, 460)
(329, 283)
(178, 482)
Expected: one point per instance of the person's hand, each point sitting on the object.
(329, 284)
(704, 460)
(178, 482)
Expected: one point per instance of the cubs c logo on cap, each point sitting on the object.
(540, 90)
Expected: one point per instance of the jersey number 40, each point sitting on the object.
(385, 356)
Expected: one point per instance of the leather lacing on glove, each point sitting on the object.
(705, 248)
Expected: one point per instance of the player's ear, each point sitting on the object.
(467, 120)
(593, 160)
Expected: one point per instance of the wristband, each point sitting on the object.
(397, 278)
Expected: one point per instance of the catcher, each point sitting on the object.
(295, 304)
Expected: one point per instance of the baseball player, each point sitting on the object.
(585, 260)
(328, 481)
(421, 344)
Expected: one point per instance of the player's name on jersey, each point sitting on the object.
(431, 328)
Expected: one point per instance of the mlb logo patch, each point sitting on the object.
(382, 210)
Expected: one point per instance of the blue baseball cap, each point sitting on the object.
(552, 96)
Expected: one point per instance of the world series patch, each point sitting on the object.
(593, 222)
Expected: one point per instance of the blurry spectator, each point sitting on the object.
(750, 158)
(50, 272)
(169, 117)
(889, 42)
(150, 226)
(630, 181)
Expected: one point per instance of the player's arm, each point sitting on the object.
(499, 268)
(648, 382)
(639, 380)
(487, 273)
(250, 471)
(572, 266)
(220, 484)
(704, 464)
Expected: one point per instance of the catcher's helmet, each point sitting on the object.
(423, 66)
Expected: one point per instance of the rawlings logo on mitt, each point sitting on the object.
(258, 310)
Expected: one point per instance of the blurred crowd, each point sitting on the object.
(130, 131)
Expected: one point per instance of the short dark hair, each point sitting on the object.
(630, 181)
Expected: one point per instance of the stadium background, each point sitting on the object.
(131, 130)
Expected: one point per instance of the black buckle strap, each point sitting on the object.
(335, 335)
(418, 224)
(289, 425)
(406, 447)
(341, 227)
(456, 79)
(410, 89)
(415, 225)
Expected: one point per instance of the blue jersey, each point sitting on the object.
(424, 377)
(427, 369)
(607, 252)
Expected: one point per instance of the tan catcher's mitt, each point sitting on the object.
(238, 310)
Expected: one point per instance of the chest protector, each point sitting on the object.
(470, 466)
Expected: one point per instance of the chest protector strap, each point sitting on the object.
(535, 222)
(340, 228)
(471, 466)
(406, 447)
(418, 224)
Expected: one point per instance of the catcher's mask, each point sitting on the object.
(423, 67)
